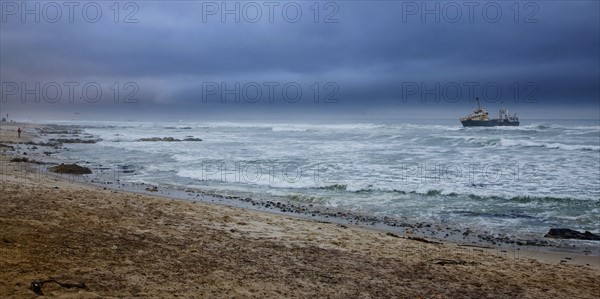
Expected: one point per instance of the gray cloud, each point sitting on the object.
(369, 53)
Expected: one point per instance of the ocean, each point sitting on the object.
(513, 180)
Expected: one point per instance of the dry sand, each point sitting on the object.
(8, 132)
(130, 245)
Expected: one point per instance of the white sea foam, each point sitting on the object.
(423, 170)
(549, 145)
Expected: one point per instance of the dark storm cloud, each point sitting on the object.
(371, 51)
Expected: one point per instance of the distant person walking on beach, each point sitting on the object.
(19, 132)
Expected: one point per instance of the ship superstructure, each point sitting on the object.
(480, 118)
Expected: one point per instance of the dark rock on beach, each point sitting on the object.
(6, 147)
(565, 233)
(70, 169)
(152, 189)
(19, 160)
(26, 160)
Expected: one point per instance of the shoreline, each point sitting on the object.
(109, 178)
(126, 244)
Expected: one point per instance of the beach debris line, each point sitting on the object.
(423, 240)
(70, 169)
(444, 262)
(565, 233)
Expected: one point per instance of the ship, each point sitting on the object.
(480, 118)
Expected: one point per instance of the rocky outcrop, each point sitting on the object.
(70, 169)
(167, 139)
(565, 233)
(75, 140)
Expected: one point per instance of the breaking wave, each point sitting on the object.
(562, 146)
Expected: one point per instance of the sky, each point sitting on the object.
(298, 60)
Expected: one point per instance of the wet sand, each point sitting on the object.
(122, 244)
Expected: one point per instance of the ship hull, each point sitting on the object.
(489, 123)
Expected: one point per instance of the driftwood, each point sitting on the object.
(423, 240)
(36, 286)
(392, 235)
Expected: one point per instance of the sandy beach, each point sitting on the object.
(77, 240)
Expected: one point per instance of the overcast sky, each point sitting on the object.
(295, 59)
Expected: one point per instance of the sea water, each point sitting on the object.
(516, 180)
